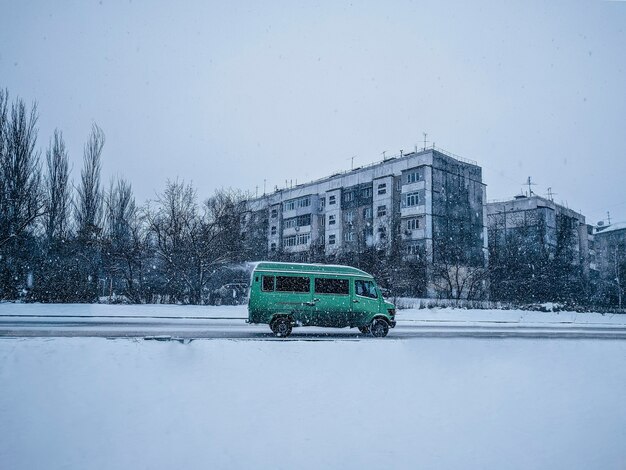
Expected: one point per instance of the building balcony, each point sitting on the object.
(408, 211)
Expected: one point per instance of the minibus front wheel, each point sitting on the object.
(281, 327)
(379, 328)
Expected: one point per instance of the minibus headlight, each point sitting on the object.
(392, 311)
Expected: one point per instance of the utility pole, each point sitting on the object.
(608, 216)
(617, 279)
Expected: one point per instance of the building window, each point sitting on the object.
(349, 216)
(331, 220)
(322, 221)
(274, 213)
(381, 211)
(413, 250)
(332, 239)
(412, 177)
(303, 220)
(382, 232)
(367, 213)
(273, 247)
(332, 200)
(412, 199)
(300, 221)
(366, 193)
(322, 202)
(289, 205)
(303, 238)
(273, 230)
(348, 236)
(293, 240)
(382, 188)
(412, 224)
(348, 196)
(304, 202)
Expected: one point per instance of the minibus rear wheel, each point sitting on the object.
(379, 328)
(281, 327)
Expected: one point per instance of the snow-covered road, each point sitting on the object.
(114, 321)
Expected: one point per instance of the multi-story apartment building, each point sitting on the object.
(538, 250)
(610, 243)
(421, 203)
(538, 220)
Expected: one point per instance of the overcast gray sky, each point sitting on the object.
(232, 93)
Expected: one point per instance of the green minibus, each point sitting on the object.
(284, 295)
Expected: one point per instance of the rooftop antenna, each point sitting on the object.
(264, 182)
(608, 217)
(384, 156)
(425, 141)
(530, 184)
(256, 191)
(551, 194)
(351, 161)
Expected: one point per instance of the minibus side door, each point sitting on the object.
(332, 301)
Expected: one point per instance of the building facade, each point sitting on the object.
(420, 205)
(539, 250)
(610, 249)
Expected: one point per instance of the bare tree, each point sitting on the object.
(21, 199)
(191, 241)
(125, 242)
(88, 209)
(57, 189)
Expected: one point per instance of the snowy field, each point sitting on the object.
(94, 403)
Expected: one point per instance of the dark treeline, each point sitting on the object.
(65, 241)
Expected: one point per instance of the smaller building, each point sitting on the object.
(610, 250)
(538, 250)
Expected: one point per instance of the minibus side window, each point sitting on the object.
(268, 284)
(292, 284)
(365, 289)
(331, 286)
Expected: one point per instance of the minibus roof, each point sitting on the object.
(306, 268)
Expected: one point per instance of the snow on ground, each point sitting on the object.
(78, 403)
